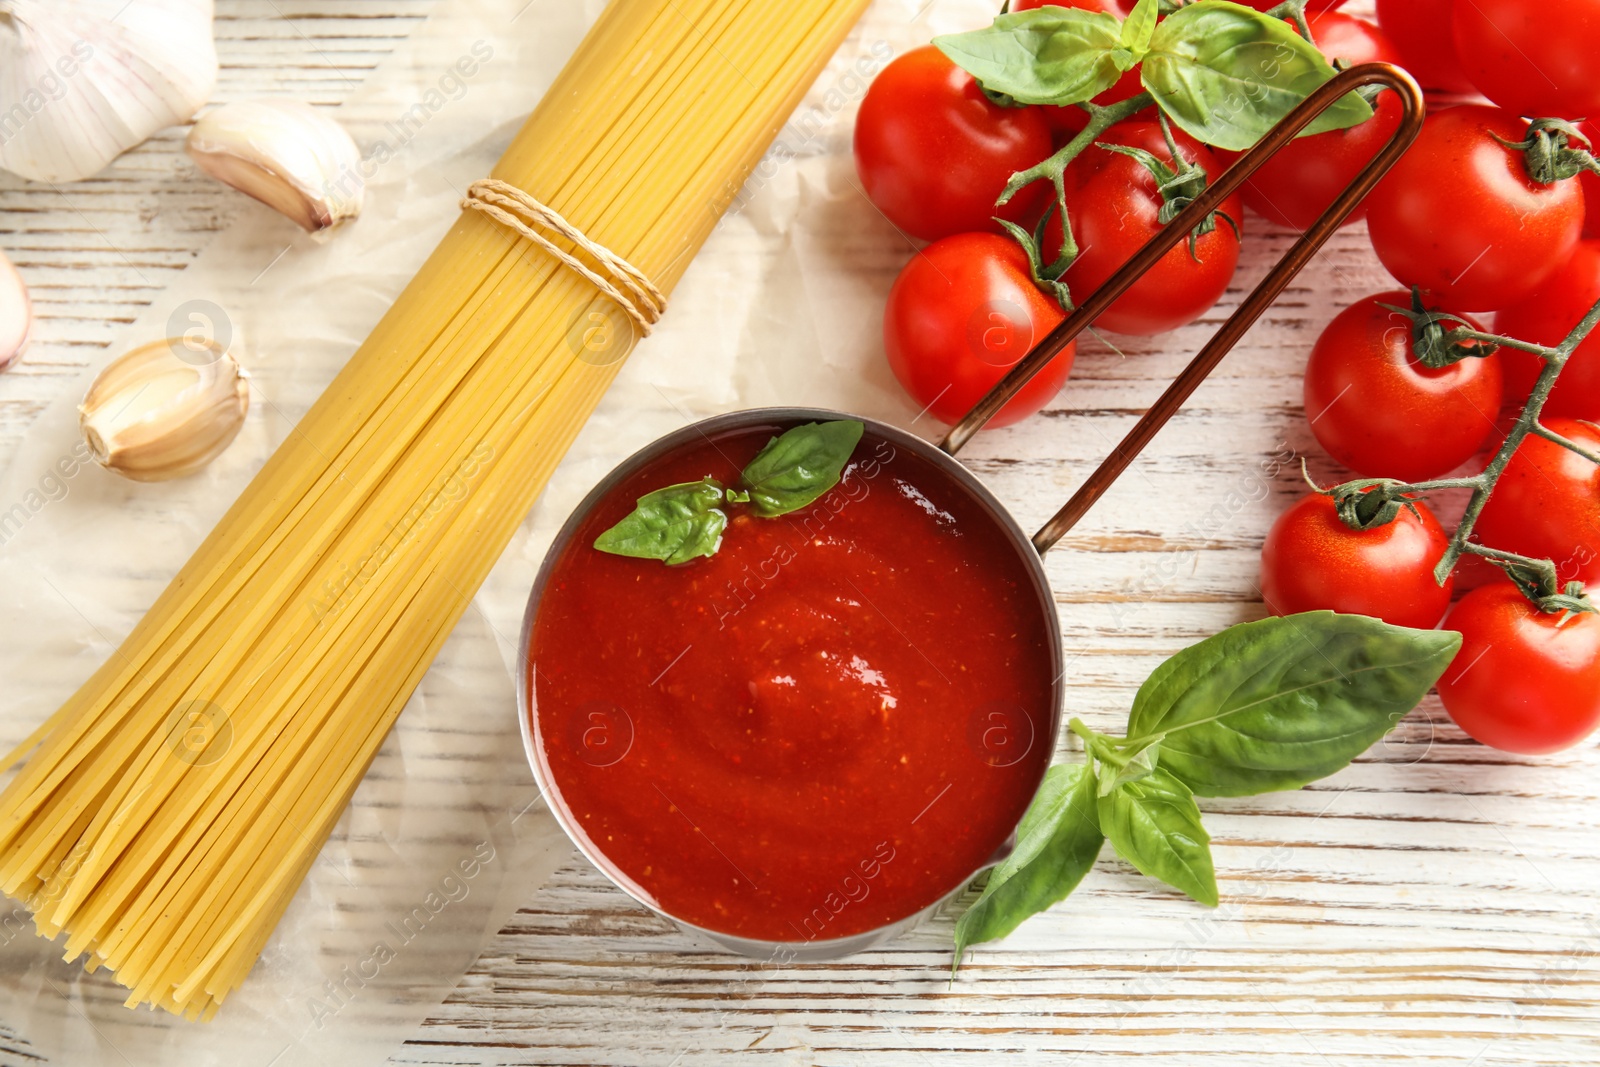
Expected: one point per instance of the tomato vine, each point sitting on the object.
(1367, 502)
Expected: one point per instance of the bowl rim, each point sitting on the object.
(817, 949)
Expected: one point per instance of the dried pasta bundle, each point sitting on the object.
(170, 810)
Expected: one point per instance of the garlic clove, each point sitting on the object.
(82, 81)
(291, 157)
(152, 415)
(16, 314)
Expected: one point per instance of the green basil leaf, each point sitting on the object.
(800, 465)
(1227, 74)
(1139, 28)
(674, 524)
(1154, 824)
(1281, 702)
(1051, 55)
(1057, 842)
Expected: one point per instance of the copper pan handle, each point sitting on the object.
(1385, 74)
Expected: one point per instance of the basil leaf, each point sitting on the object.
(1139, 28)
(1051, 55)
(1154, 824)
(674, 524)
(1281, 702)
(800, 465)
(1057, 842)
(1227, 74)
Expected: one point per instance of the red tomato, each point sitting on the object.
(1459, 215)
(1071, 118)
(1524, 680)
(962, 312)
(1421, 32)
(1545, 318)
(1380, 412)
(1312, 561)
(1114, 203)
(1547, 504)
(1347, 38)
(1532, 57)
(934, 154)
(1591, 184)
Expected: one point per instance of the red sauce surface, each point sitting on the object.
(826, 727)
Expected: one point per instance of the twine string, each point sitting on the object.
(521, 213)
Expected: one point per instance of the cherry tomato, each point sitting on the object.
(1114, 203)
(1591, 184)
(1524, 680)
(1071, 118)
(934, 153)
(1547, 504)
(1459, 215)
(1312, 561)
(960, 314)
(1421, 32)
(1532, 57)
(1380, 412)
(1545, 317)
(1350, 39)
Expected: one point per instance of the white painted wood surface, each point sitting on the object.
(1437, 903)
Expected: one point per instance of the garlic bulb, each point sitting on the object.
(161, 411)
(82, 81)
(16, 314)
(291, 157)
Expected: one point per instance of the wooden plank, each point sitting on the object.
(1435, 903)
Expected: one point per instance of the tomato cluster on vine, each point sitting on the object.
(1031, 191)
(1486, 213)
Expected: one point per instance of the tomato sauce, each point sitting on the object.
(824, 728)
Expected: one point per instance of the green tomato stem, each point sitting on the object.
(1483, 484)
(1101, 119)
(1098, 746)
(1541, 430)
(1294, 11)
(1542, 351)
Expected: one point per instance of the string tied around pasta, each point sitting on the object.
(526, 216)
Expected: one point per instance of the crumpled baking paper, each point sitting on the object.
(446, 836)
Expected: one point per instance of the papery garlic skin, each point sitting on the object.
(16, 314)
(159, 412)
(289, 156)
(82, 81)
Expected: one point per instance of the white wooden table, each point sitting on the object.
(1436, 903)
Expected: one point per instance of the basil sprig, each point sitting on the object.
(1260, 707)
(1223, 72)
(686, 521)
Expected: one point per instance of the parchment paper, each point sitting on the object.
(446, 836)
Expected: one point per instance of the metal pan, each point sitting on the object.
(1028, 549)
